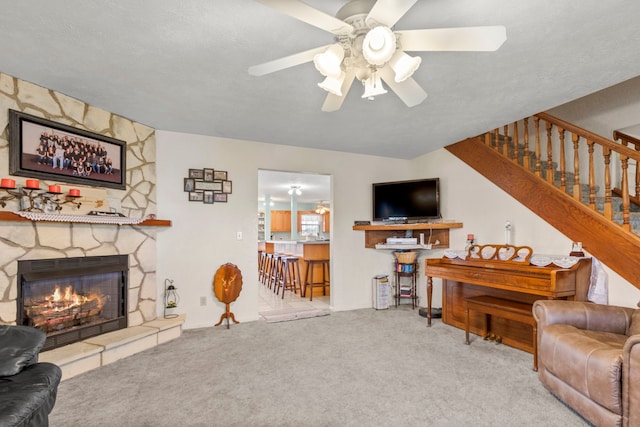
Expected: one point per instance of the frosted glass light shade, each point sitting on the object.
(328, 63)
(332, 84)
(404, 65)
(379, 45)
(373, 87)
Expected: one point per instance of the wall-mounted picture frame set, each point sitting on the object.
(207, 186)
(40, 148)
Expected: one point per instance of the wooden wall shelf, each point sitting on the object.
(376, 234)
(11, 216)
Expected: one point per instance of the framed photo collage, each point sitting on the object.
(207, 186)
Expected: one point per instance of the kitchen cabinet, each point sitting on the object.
(281, 221)
(326, 225)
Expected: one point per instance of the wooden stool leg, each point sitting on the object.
(295, 272)
(311, 267)
(325, 280)
(535, 346)
(466, 323)
(285, 279)
(487, 325)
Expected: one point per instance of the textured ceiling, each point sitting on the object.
(182, 66)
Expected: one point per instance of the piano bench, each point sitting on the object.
(503, 308)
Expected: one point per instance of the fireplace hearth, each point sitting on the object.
(72, 299)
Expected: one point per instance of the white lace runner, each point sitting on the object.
(91, 219)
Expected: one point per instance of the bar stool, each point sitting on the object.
(310, 280)
(261, 258)
(290, 276)
(276, 271)
(266, 268)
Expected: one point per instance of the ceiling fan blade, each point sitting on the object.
(334, 102)
(454, 39)
(388, 12)
(286, 62)
(409, 91)
(310, 15)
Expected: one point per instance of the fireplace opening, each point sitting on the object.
(72, 299)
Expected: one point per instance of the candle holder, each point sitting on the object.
(57, 203)
(36, 200)
(13, 194)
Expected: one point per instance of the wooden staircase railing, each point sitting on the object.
(628, 140)
(530, 161)
(561, 151)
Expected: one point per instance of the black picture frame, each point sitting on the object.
(207, 197)
(189, 184)
(196, 173)
(196, 196)
(219, 175)
(28, 135)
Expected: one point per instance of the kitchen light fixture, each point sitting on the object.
(296, 189)
(321, 208)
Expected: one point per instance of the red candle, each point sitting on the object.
(33, 183)
(8, 183)
(74, 192)
(54, 189)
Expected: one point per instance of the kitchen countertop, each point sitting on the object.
(294, 242)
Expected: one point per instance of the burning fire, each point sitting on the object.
(63, 308)
(69, 299)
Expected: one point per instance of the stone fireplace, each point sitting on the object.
(72, 299)
(53, 240)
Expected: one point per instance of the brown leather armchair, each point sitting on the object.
(589, 357)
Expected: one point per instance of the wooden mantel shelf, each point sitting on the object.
(436, 231)
(12, 216)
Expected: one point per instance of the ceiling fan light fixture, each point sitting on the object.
(379, 45)
(373, 87)
(328, 63)
(332, 84)
(404, 65)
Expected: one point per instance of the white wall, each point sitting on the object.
(203, 237)
(607, 110)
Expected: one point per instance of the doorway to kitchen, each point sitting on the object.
(294, 219)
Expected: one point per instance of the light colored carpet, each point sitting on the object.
(287, 314)
(353, 368)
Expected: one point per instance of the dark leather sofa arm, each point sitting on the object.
(630, 381)
(583, 315)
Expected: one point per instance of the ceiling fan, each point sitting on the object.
(321, 208)
(368, 49)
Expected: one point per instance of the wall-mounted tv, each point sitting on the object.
(410, 201)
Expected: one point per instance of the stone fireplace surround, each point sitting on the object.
(24, 240)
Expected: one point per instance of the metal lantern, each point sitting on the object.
(171, 298)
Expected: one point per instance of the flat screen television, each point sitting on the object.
(408, 201)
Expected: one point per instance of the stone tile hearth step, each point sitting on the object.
(101, 350)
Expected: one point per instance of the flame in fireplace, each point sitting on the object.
(69, 299)
(64, 308)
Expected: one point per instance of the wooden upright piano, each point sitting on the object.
(515, 281)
